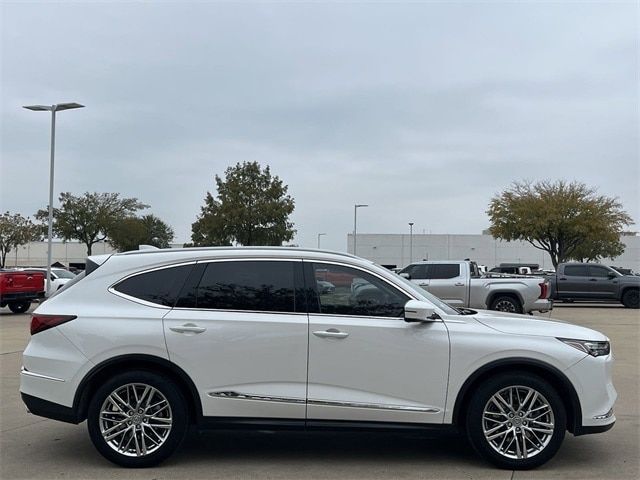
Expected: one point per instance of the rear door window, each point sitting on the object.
(157, 286)
(599, 271)
(442, 271)
(264, 286)
(576, 271)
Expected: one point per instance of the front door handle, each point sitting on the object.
(187, 328)
(330, 333)
(459, 284)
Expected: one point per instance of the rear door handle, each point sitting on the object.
(459, 284)
(593, 279)
(330, 333)
(188, 328)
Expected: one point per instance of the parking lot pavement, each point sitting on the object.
(33, 447)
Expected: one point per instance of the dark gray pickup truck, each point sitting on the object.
(592, 281)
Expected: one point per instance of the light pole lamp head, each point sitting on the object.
(67, 106)
(53, 108)
(39, 108)
(411, 224)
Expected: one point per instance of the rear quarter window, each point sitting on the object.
(157, 286)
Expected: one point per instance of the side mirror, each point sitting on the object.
(611, 275)
(417, 311)
(405, 275)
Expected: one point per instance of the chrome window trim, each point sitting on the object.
(111, 288)
(224, 310)
(230, 394)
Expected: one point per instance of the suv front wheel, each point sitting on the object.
(137, 419)
(516, 421)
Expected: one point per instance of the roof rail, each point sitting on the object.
(217, 249)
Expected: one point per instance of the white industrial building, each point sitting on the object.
(401, 249)
(384, 249)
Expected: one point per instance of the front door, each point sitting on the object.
(365, 362)
(449, 283)
(240, 331)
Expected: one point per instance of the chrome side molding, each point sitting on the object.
(329, 403)
(249, 396)
(24, 371)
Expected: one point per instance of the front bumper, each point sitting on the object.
(591, 378)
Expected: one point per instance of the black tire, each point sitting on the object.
(477, 418)
(506, 303)
(178, 418)
(631, 298)
(19, 307)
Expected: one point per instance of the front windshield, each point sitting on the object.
(424, 295)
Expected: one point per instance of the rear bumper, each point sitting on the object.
(20, 297)
(540, 305)
(47, 409)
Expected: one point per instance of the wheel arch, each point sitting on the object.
(547, 372)
(108, 368)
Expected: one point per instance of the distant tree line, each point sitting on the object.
(568, 220)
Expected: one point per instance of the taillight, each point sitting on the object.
(40, 323)
(544, 289)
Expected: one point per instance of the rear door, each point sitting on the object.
(449, 282)
(574, 282)
(602, 284)
(240, 330)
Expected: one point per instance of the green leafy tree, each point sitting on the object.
(251, 208)
(15, 230)
(91, 217)
(568, 220)
(132, 232)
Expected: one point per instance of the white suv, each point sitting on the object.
(147, 343)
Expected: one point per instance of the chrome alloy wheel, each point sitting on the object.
(135, 419)
(518, 422)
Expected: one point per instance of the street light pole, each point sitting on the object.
(410, 242)
(53, 109)
(319, 235)
(355, 223)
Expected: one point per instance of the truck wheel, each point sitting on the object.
(19, 307)
(516, 420)
(506, 303)
(631, 298)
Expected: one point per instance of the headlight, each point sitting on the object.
(595, 349)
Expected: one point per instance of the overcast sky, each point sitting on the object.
(421, 110)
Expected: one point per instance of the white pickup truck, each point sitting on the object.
(460, 284)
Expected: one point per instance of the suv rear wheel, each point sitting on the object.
(516, 421)
(137, 419)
